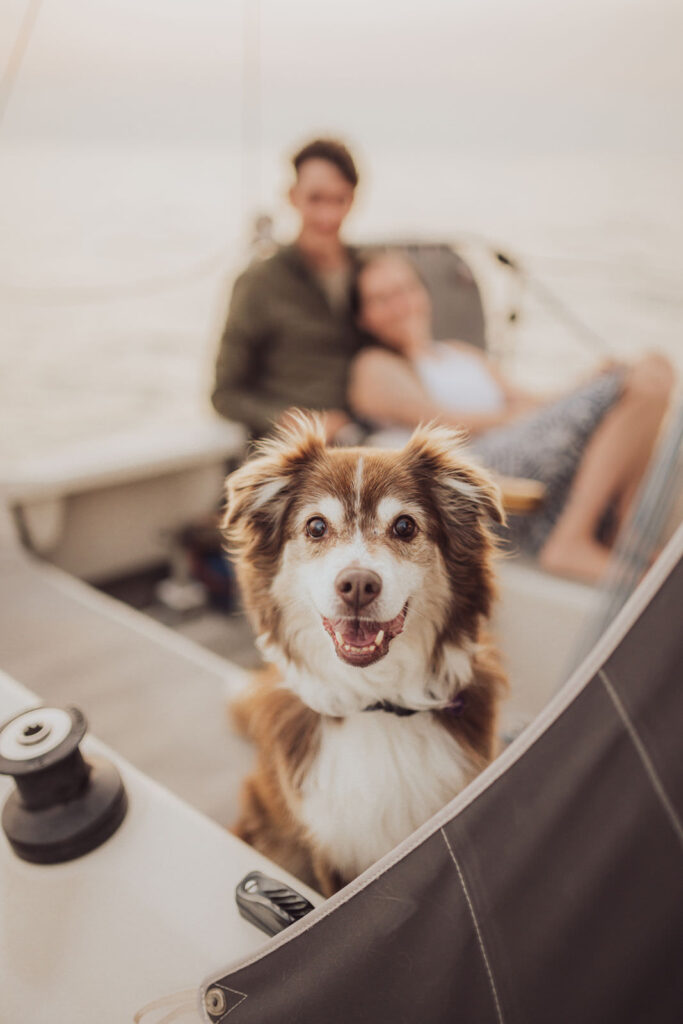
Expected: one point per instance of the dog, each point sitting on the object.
(368, 578)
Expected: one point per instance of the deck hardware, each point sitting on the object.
(63, 805)
(269, 904)
(34, 733)
(215, 1002)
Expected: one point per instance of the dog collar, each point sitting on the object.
(455, 708)
(395, 709)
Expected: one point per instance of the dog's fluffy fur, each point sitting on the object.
(336, 786)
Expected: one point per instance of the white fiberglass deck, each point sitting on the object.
(149, 913)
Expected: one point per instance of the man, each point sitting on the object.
(290, 333)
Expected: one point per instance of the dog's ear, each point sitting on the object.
(259, 488)
(260, 491)
(437, 454)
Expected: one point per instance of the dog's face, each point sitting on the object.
(362, 569)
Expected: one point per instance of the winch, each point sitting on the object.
(64, 805)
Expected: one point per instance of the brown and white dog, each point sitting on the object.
(367, 575)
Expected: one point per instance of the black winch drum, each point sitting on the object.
(63, 806)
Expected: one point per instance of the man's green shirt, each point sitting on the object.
(283, 345)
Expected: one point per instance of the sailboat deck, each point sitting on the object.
(150, 693)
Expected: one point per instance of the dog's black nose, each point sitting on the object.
(358, 587)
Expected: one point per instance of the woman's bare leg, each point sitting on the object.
(611, 469)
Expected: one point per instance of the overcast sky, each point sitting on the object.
(495, 75)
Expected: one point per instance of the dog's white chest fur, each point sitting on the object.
(375, 779)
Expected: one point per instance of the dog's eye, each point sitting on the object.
(316, 527)
(404, 528)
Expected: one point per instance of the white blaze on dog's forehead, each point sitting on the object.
(359, 482)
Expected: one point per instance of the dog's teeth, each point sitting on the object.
(379, 637)
(339, 639)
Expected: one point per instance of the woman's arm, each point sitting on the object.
(384, 389)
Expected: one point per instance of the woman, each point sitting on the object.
(590, 448)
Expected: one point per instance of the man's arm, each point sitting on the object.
(237, 392)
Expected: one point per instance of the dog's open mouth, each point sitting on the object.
(362, 641)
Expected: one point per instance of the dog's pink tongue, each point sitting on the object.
(357, 631)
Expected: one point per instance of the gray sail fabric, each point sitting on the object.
(550, 890)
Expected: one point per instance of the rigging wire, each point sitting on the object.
(582, 330)
(17, 54)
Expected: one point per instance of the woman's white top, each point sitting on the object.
(459, 380)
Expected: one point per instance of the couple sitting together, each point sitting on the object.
(321, 326)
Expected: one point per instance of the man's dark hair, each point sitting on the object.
(334, 152)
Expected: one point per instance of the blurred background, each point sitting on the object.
(139, 140)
